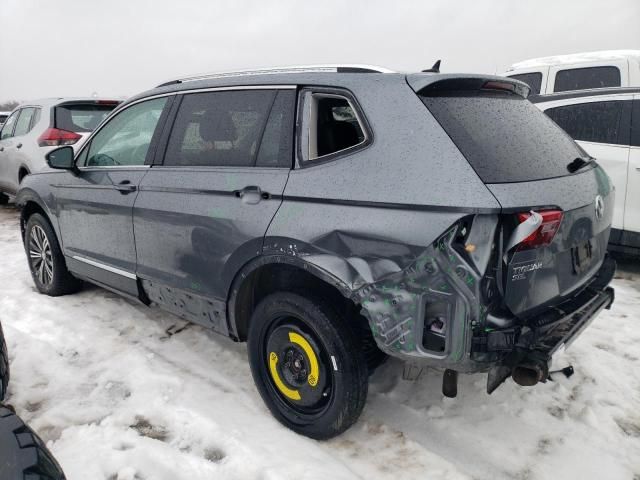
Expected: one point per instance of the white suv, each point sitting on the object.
(606, 123)
(561, 73)
(35, 128)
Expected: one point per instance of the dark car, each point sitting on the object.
(331, 216)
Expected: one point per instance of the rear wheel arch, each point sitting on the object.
(269, 274)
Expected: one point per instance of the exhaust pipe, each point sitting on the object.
(528, 374)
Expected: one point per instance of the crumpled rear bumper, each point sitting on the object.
(541, 336)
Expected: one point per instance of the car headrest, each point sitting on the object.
(218, 127)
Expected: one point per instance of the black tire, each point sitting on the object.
(320, 405)
(4, 199)
(49, 272)
(4, 366)
(23, 456)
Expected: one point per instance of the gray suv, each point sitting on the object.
(332, 217)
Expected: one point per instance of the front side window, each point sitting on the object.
(585, 78)
(126, 138)
(7, 128)
(533, 79)
(23, 124)
(333, 125)
(221, 128)
(598, 122)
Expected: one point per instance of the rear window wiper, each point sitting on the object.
(578, 163)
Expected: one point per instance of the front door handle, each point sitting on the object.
(125, 187)
(19, 145)
(251, 195)
(1, 149)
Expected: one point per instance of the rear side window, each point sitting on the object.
(219, 128)
(81, 118)
(3, 117)
(333, 125)
(7, 128)
(598, 122)
(23, 125)
(504, 137)
(533, 79)
(585, 78)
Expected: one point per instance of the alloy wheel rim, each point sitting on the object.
(40, 255)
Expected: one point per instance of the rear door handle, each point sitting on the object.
(125, 187)
(19, 145)
(1, 149)
(251, 194)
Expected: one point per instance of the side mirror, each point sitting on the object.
(61, 158)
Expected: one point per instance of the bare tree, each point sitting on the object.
(8, 106)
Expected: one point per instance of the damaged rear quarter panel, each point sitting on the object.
(370, 221)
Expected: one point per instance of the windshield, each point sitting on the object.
(504, 137)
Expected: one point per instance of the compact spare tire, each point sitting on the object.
(23, 456)
(307, 364)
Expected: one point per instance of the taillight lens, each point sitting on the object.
(54, 137)
(543, 236)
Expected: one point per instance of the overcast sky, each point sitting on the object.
(121, 47)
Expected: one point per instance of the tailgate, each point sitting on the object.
(542, 276)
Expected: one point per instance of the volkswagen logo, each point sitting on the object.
(599, 207)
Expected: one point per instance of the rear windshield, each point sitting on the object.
(504, 137)
(81, 118)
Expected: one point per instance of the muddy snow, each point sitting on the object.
(122, 392)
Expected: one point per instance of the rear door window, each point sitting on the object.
(81, 118)
(23, 125)
(585, 78)
(7, 128)
(223, 128)
(504, 137)
(276, 148)
(533, 79)
(598, 122)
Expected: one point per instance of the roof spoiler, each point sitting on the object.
(434, 86)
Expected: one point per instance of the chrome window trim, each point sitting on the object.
(108, 268)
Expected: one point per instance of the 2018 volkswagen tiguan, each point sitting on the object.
(331, 216)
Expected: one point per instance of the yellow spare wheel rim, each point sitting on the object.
(295, 366)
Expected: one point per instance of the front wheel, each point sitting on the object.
(46, 261)
(307, 364)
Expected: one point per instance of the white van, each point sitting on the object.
(606, 123)
(581, 71)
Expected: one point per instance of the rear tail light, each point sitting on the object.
(544, 234)
(54, 137)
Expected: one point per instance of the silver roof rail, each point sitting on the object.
(343, 68)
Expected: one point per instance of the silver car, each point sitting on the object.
(35, 128)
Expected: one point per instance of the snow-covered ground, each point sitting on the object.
(116, 397)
